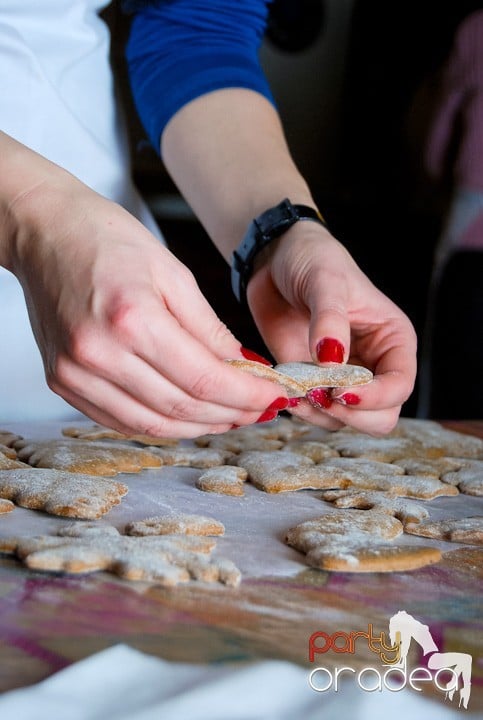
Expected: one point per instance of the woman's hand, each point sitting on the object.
(125, 334)
(311, 301)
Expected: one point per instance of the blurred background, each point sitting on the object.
(382, 106)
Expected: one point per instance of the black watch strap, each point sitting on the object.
(268, 226)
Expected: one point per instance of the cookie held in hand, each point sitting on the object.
(297, 378)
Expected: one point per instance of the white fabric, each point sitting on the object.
(125, 684)
(58, 98)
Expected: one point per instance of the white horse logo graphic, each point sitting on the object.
(459, 663)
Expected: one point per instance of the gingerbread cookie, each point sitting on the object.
(435, 467)
(6, 506)
(8, 438)
(359, 557)
(313, 449)
(404, 510)
(92, 458)
(266, 436)
(356, 541)
(468, 479)
(383, 449)
(61, 493)
(100, 432)
(285, 471)
(467, 530)
(297, 378)
(437, 440)
(167, 560)
(9, 463)
(176, 524)
(224, 480)
(194, 457)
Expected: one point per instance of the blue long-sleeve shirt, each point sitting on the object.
(181, 49)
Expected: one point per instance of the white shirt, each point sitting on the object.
(57, 96)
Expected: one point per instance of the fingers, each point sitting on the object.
(109, 405)
(179, 360)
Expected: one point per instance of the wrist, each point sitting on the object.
(262, 232)
(30, 188)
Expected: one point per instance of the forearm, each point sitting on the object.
(31, 188)
(227, 153)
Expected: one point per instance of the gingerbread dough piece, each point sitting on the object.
(194, 457)
(375, 475)
(266, 436)
(435, 467)
(8, 438)
(6, 506)
(463, 530)
(92, 458)
(100, 432)
(359, 557)
(176, 524)
(386, 449)
(468, 479)
(285, 471)
(404, 510)
(356, 541)
(224, 480)
(61, 493)
(438, 440)
(313, 449)
(371, 524)
(166, 560)
(299, 377)
(9, 463)
(310, 375)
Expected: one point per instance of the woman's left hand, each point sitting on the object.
(312, 302)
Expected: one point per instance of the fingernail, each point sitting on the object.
(250, 355)
(293, 402)
(234, 427)
(319, 398)
(267, 416)
(273, 409)
(348, 399)
(330, 350)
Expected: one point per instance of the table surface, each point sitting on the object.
(49, 621)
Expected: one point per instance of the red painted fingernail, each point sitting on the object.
(293, 402)
(267, 416)
(330, 350)
(348, 399)
(319, 398)
(279, 403)
(272, 410)
(250, 355)
(234, 427)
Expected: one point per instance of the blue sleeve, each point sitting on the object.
(180, 49)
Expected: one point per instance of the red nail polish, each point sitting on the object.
(319, 398)
(250, 355)
(293, 402)
(330, 350)
(267, 416)
(279, 403)
(349, 399)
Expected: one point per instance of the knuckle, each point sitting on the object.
(124, 319)
(82, 348)
(202, 388)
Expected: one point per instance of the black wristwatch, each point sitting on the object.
(262, 230)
